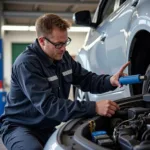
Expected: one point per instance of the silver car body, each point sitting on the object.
(52, 143)
(109, 46)
(112, 44)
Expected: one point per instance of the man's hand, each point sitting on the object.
(114, 80)
(106, 108)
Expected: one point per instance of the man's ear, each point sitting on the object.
(41, 41)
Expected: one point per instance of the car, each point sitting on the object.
(119, 32)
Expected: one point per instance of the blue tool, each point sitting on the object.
(133, 79)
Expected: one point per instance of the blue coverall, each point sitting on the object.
(38, 97)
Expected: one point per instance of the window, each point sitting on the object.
(95, 15)
(109, 8)
(122, 1)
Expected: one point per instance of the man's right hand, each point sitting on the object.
(106, 108)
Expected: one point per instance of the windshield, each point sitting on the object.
(96, 14)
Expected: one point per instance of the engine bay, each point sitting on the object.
(128, 129)
(131, 133)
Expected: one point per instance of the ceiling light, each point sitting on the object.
(32, 28)
(79, 29)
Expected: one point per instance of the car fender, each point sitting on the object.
(52, 143)
(82, 58)
(140, 21)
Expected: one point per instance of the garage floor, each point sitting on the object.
(2, 147)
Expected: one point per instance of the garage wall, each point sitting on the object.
(29, 37)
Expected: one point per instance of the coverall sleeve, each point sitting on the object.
(37, 89)
(90, 82)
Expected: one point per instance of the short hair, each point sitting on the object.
(46, 23)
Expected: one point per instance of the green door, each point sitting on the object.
(17, 48)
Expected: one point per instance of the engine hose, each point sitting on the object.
(144, 135)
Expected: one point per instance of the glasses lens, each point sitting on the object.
(60, 45)
(68, 41)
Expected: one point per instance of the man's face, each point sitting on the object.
(54, 45)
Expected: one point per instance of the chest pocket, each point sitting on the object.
(67, 75)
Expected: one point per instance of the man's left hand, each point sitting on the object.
(114, 80)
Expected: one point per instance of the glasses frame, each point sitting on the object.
(59, 45)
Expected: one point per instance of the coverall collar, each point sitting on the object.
(47, 61)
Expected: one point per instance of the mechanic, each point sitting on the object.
(40, 84)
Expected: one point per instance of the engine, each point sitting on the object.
(128, 129)
(133, 133)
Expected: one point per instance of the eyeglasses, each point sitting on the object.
(59, 45)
